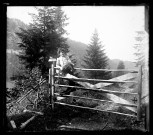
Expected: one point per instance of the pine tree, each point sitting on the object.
(43, 38)
(141, 48)
(142, 55)
(120, 66)
(96, 58)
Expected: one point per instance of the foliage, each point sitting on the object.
(28, 80)
(141, 48)
(13, 65)
(31, 80)
(43, 38)
(95, 58)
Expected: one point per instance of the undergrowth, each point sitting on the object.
(64, 114)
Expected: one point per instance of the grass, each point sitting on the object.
(82, 118)
(79, 118)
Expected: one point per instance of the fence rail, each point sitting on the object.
(130, 105)
(94, 80)
(98, 90)
(95, 109)
(113, 70)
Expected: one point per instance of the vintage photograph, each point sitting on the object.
(77, 68)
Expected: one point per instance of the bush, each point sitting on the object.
(31, 80)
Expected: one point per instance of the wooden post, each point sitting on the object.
(147, 118)
(139, 94)
(51, 81)
(52, 87)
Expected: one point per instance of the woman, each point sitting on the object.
(65, 66)
(64, 63)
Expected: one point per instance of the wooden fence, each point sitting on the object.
(52, 85)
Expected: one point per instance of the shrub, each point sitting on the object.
(31, 80)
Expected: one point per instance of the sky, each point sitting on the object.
(116, 25)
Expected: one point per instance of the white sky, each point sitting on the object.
(116, 25)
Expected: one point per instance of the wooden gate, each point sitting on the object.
(136, 108)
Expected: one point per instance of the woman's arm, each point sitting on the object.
(69, 60)
(58, 65)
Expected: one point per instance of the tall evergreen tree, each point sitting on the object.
(120, 66)
(141, 48)
(43, 38)
(96, 58)
(142, 57)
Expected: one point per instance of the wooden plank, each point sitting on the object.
(23, 125)
(100, 85)
(60, 98)
(121, 78)
(39, 113)
(147, 117)
(95, 80)
(117, 99)
(139, 93)
(24, 96)
(131, 105)
(52, 85)
(72, 127)
(85, 84)
(125, 70)
(95, 109)
(112, 97)
(13, 124)
(97, 90)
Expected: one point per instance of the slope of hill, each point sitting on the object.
(114, 63)
(78, 49)
(13, 26)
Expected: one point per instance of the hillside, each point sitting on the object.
(128, 64)
(13, 26)
(78, 49)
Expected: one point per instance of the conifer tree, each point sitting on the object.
(120, 66)
(141, 48)
(43, 38)
(96, 58)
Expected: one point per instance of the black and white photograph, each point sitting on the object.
(77, 68)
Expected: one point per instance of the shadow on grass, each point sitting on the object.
(62, 115)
